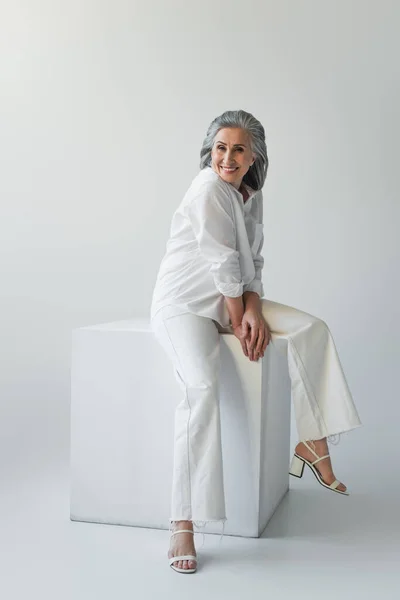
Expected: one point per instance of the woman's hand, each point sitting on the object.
(259, 336)
(241, 332)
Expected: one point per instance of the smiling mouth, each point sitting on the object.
(229, 169)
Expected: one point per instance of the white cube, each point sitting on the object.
(123, 398)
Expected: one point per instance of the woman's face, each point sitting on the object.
(231, 148)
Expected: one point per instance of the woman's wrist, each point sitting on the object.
(252, 300)
(235, 308)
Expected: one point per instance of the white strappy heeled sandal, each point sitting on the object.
(184, 557)
(297, 468)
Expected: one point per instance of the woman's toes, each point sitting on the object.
(192, 564)
(185, 564)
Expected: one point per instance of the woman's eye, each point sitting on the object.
(223, 148)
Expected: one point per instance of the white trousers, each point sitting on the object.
(322, 400)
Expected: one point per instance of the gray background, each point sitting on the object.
(104, 106)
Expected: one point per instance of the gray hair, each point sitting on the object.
(257, 173)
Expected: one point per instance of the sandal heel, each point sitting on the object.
(296, 466)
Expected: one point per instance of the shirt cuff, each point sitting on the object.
(232, 290)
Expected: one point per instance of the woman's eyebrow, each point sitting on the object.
(219, 142)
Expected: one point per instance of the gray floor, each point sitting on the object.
(317, 544)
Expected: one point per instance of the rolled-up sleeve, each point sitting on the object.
(256, 284)
(211, 216)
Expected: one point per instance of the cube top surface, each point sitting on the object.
(134, 324)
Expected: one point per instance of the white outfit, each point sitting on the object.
(188, 331)
(214, 249)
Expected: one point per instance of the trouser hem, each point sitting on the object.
(335, 433)
(198, 522)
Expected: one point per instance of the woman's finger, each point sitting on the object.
(253, 352)
(260, 340)
(249, 349)
(267, 337)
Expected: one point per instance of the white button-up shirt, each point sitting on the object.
(213, 249)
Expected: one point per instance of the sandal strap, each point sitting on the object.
(335, 484)
(310, 449)
(184, 557)
(318, 459)
(315, 454)
(182, 531)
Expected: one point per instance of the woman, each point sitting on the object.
(209, 282)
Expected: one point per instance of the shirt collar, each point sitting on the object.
(251, 191)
